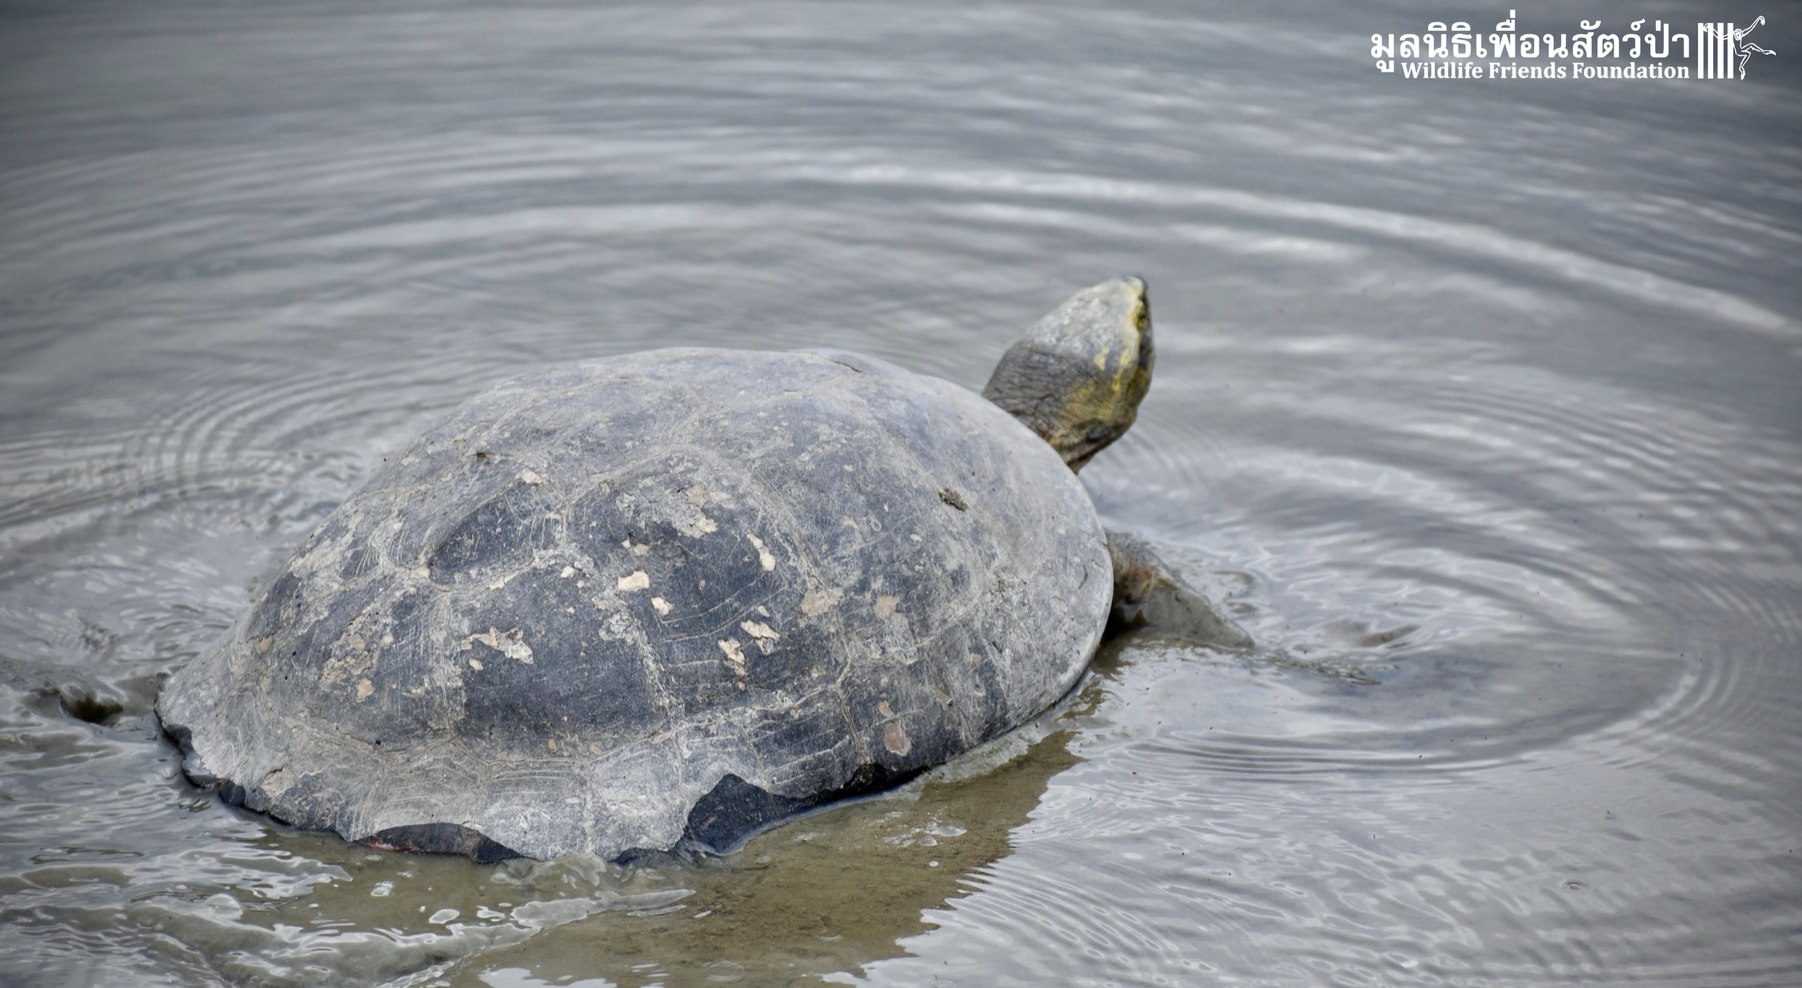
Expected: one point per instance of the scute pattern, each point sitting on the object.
(665, 597)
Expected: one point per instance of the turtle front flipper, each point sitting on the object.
(1148, 593)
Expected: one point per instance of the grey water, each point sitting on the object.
(1478, 403)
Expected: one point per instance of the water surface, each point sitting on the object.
(1476, 402)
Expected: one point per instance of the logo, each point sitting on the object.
(1718, 44)
(1717, 50)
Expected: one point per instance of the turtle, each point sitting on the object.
(654, 603)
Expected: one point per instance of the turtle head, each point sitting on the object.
(1077, 378)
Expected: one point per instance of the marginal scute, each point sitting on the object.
(658, 599)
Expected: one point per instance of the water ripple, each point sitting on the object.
(1475, 405)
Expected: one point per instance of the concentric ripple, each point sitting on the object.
(1475, 403)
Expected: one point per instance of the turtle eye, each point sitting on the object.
(1098, 433)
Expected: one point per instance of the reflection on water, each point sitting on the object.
(1476, 403)
(818, 895)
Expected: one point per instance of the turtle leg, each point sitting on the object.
(1147, 592)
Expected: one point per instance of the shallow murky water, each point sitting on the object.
(1477, 401)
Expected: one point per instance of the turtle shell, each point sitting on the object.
(653, 601)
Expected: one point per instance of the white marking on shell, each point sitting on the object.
(817, 601)
(531, 476)
(662, 606)
(352, 654)
(764, 557)
(568, 571)
(764, 635)
(894, 737)
(510, 643)
(735, 656)
(639, 580)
